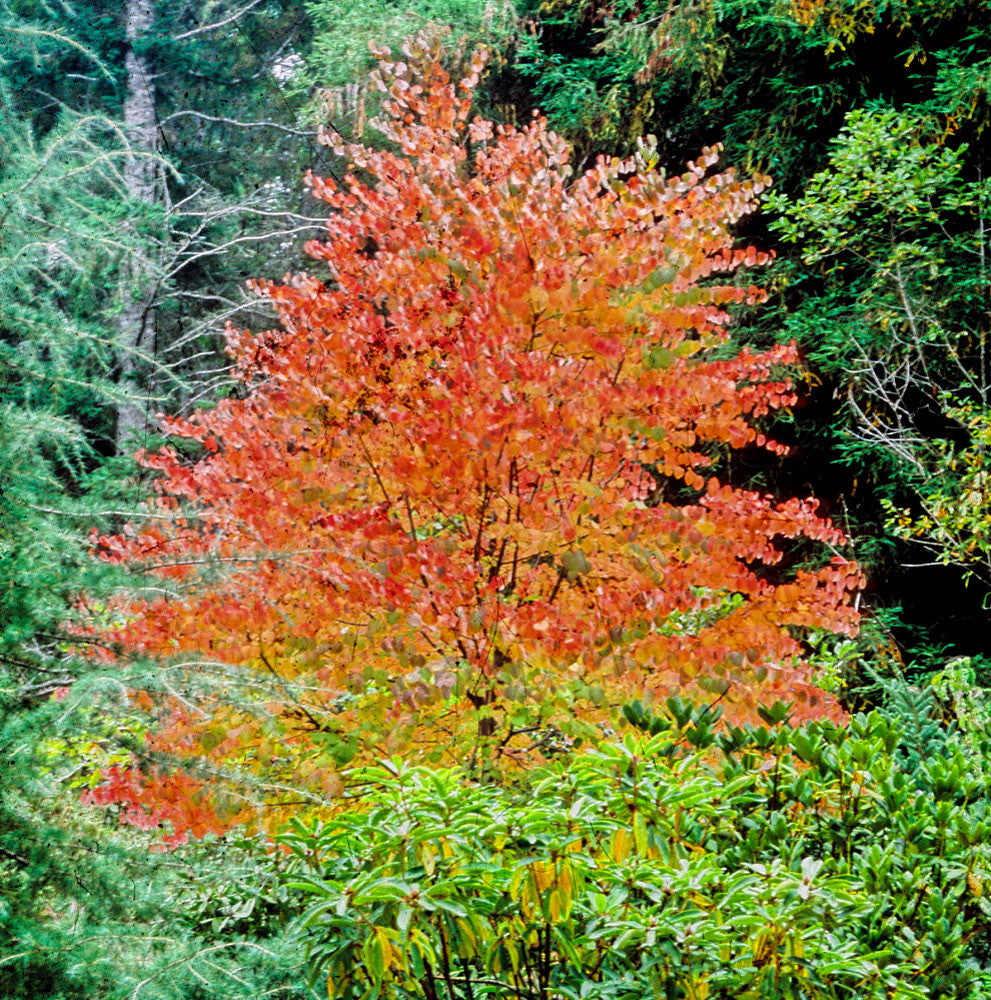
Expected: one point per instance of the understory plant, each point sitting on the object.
(690, 861)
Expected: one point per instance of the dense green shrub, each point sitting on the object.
(690, 863)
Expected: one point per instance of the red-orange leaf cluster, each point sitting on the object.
(467, 495)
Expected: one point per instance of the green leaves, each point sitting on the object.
(787, 867)
(884, 179)
(888, 229)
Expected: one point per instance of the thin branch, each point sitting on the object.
(375, 470)
(237, 15)
(220, 120)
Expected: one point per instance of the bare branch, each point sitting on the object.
(306, 133)
(236, 16)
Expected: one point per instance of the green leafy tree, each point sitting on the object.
(771, 81)
(894, 235)
(339, 59)
(84, 911)
(209, 157)
(775, 82)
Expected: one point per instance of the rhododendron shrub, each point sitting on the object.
(463, 507)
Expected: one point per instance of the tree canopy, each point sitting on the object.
(463, 497)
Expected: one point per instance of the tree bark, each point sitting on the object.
(142, 179)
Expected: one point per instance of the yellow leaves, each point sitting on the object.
(543, 874)
(643, 653)
(523, 890)
(547, 886)
(428, 857)
(763, 946)
(975, 884)
(467, 939)
(696, 987)
(378, 954)
(212, 737)
(585, 488)
(315, 494)
(559, 903)
(621, 845)
(328, 779)
(640, 833)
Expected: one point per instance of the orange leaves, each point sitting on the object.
(438, 517)
(154, 799)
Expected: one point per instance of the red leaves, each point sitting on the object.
(175, 802)
(456, 450)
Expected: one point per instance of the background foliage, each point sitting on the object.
(775, 83)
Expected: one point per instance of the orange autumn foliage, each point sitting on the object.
(465, 501)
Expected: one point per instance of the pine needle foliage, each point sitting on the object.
(84, 911)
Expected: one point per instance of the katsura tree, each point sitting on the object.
(460, 509)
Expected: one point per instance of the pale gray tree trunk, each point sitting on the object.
(143, 180)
